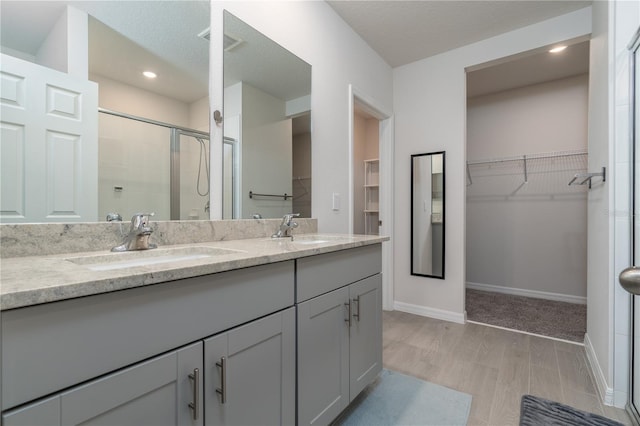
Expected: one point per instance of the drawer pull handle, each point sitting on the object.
(356, 314)
(348, 319)
(195, 405)
(222, 390)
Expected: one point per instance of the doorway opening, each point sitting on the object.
(526, 227)
(366, 170)
(371, 177)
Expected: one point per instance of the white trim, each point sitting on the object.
(526, 332)
(429, 312)
(604, 391)
(558, 297)
(386, 207)
(620, 399)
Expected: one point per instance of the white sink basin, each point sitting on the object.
(132, 259)
(309, 242)
(316, 239)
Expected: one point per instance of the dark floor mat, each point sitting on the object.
(535, 411)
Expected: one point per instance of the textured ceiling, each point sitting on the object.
(406, 31)
(126, 36)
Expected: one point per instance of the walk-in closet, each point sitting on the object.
(526, 195)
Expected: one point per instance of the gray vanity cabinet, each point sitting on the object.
(365, 339)
(250, 373)
(339, 331)
(124, 358)
(159, 391)
(323, 357)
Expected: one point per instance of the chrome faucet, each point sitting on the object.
(286, 226)
(138, 236)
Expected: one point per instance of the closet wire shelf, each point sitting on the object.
(531, 174)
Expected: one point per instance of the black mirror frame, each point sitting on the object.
(413, 156)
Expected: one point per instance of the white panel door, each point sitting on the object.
(48, 145)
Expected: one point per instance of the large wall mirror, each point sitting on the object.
(427, 214)
(267, 126)
(151, 148)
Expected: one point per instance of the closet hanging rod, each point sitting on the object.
(529, 157)
(285, 196)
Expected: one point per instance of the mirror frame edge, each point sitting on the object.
(442, 277)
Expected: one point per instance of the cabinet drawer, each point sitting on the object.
(316, 275)
(50, 347)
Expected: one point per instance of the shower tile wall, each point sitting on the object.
(133, 168)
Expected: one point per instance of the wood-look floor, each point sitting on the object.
(495, 366)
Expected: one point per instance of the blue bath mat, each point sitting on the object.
(397, 399)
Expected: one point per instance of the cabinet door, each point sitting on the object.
(250, 373)
(323, 357)
(365, 350)
(155, 392)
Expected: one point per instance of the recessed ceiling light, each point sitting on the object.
(557, 49)
(149, 74)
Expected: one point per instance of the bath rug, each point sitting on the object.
(397, 399)
(535, 411)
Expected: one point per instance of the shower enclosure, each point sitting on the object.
(147, 165)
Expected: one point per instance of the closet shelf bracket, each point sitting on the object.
(585, 178)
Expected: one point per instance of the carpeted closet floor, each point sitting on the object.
(539, 316)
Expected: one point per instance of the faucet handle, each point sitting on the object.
(114, 217)
(138, 219)
(289, 219)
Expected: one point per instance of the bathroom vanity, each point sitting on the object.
(210, 340)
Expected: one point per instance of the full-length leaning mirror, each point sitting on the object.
(427, 214)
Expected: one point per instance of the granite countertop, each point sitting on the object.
(26, 281)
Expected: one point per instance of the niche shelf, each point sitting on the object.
(371, 196)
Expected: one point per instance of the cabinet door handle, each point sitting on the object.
(356, 314)
(195, 405)
(348, 319)
(222, 390)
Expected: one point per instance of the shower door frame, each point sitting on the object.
(174, 169)
(174, 159)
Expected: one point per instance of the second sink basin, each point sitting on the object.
(315, 239)
(132, 259)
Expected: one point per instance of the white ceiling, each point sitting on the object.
(400, 31)
(262, 63)
(125, 38)
(406, 31)
(529, 69)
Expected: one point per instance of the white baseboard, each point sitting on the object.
(558, 297)
(430, 312)
(605, 392)
(620, 399)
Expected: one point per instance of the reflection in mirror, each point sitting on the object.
(148, 147)
(267, 126)
(427, 214)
